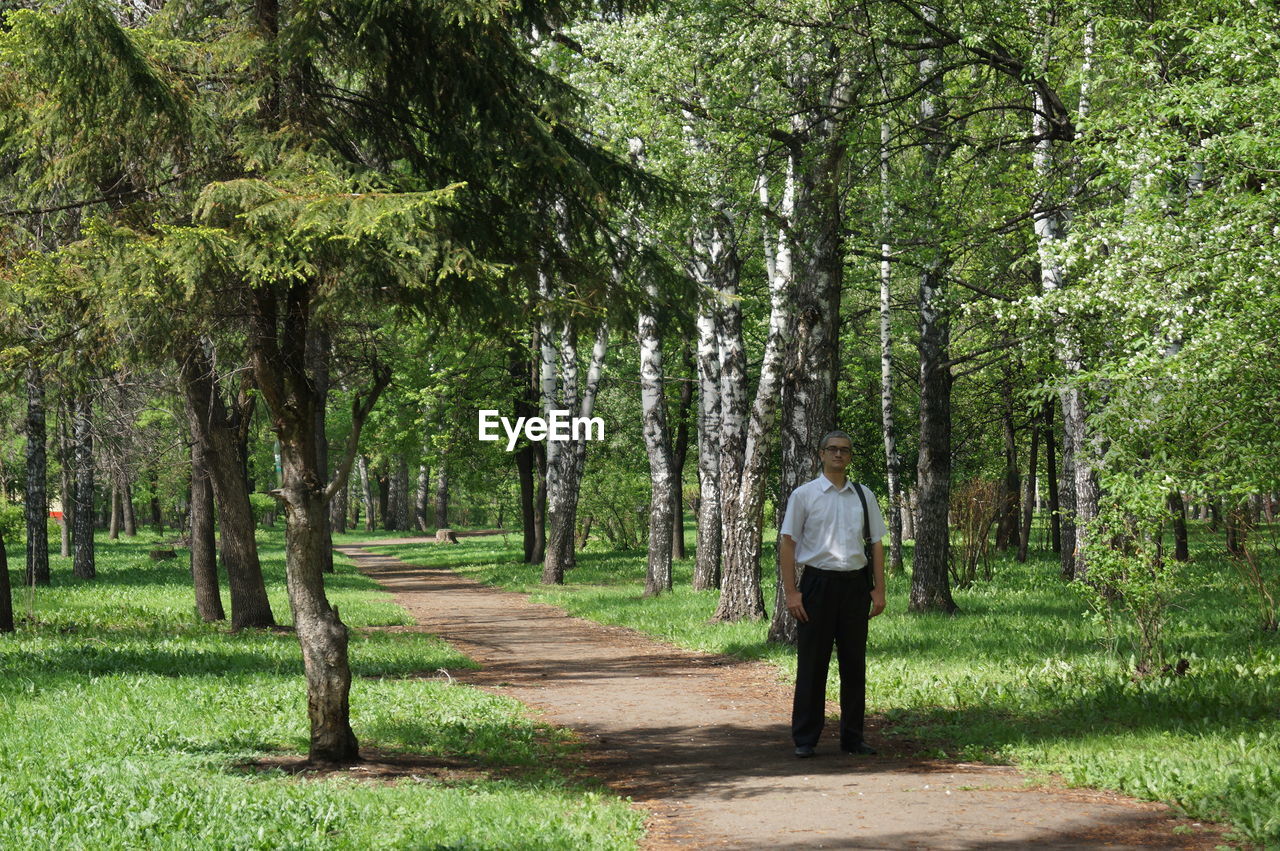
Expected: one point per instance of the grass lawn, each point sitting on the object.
(1025, 674)
(124, 720)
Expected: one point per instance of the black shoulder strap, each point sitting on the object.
(866, 532)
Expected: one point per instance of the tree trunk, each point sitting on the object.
(400, 488)
(539, 505)
(6, 593)
(1053, 486)
(422, 495)
(809, 391)
(66, 460)
(157, 519)
(678, 454)
(746, 443)
(37, 497)
(279, 345)
(1028, 505)
(1008, 523)
(657, 441)
(442, 494)
(366, 492)
(706, 572)
(338, 511)
(116, 514)
(130, 518)
(893, 460)
(204, 563)
(565, 460)
(383, 481)
(518, 367)
(85, 566)
(561, 518)
(1181, 552)
(319, 353)
(217, 431)
(930, 582)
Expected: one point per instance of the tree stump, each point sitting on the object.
(161, 554)
(446, 536)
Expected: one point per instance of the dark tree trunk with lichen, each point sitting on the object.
(204, 562)
(84, 564)
(37, 497)
(216, 428)
(279, 342)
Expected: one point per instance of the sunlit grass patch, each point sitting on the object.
(127, 723)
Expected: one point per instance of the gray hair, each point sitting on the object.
(822, 444)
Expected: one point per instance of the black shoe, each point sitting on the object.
(859, 749)
(804, 751)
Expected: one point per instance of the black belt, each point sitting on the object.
(831, 572)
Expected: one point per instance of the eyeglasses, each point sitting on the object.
(839, 450)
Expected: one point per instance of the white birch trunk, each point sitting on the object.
(742, 496)
(893, 461)
(657, 441)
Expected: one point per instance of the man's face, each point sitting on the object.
(836, 455)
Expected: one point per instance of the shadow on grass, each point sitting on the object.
(204, 653)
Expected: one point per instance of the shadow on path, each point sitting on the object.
(703, 742)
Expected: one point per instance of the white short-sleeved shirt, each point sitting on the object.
(826, 524)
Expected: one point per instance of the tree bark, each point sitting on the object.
(518, 367)
(319, 354)
(678, 454)
(204, 563)
(6, 593)
(1177, 507)
(37, 498)
(1008, 524)
(279, 341)
(157, 519)
(1051, 473)
(930, 582)
(66, 460)
(366, 492)
(657, 441)
(706, 572)
(442, 494)
(1028, 504)
(893, 459)
(421, 498)
(338, 511)
(746, 443)
(126, 497)
(85, 566)
(217, 432)
(116, 514)
(400, 488)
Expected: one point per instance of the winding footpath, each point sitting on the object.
(701, 742)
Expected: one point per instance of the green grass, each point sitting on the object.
(124, 722)
(1022, 675)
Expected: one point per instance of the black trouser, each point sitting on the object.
(837, 604)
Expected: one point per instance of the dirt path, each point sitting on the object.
(701, 741)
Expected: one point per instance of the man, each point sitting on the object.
(825, 530)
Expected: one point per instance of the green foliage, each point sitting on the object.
(13, 522)
(131, 724)
(1129, 570)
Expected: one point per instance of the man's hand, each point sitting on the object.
(877, 601)
(795, 605)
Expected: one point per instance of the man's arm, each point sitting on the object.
(787, 566)
(877, 573)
